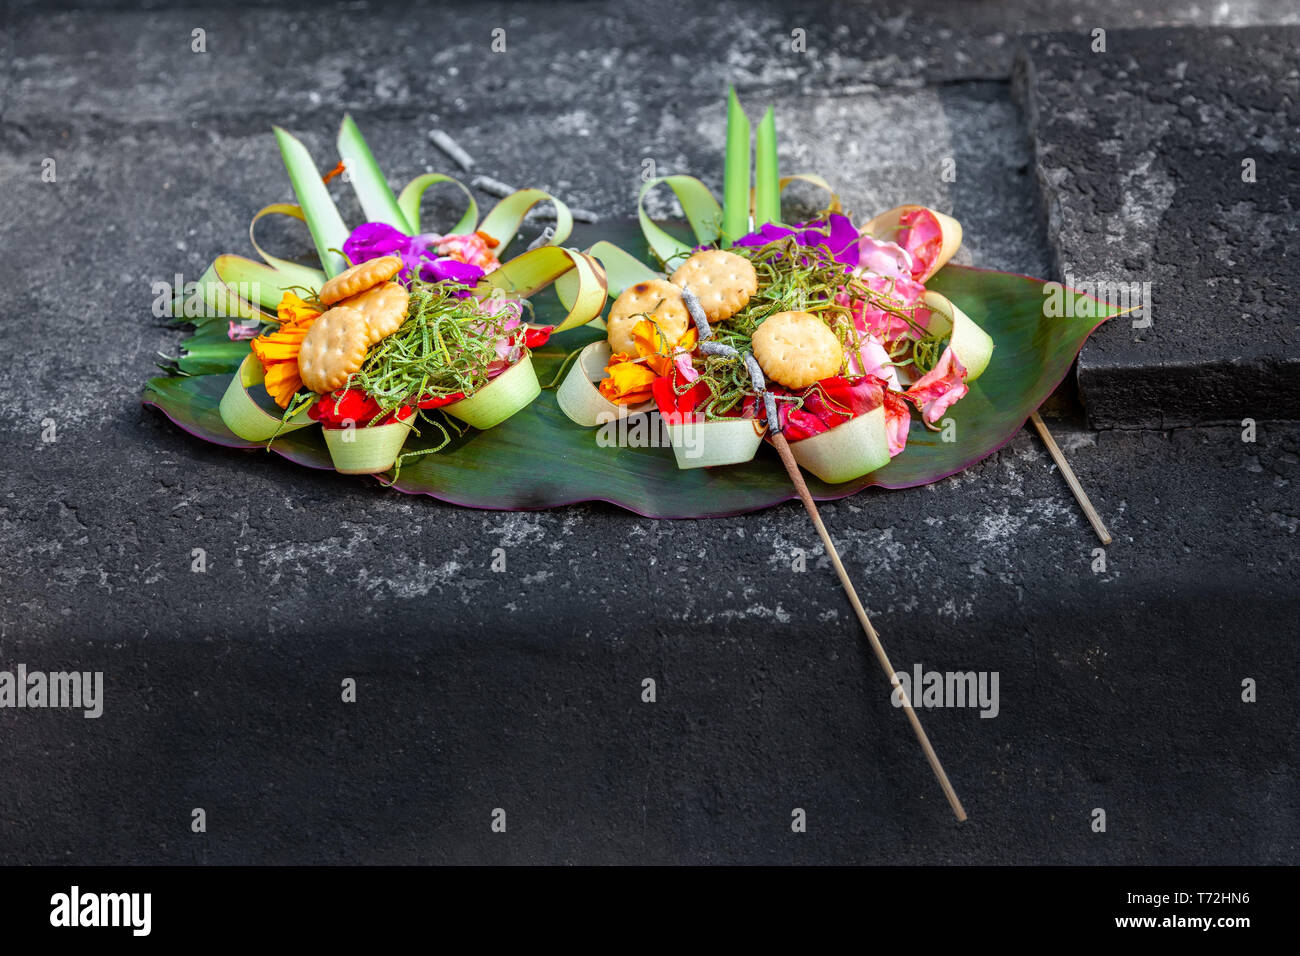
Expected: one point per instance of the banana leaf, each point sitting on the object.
(540, 459)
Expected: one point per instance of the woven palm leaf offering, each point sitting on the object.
(825, 328)
(890, 313)
(398, 333)
(832, 341)
(446, 350)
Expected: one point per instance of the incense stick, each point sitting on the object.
(800, 486)
(1080, 495)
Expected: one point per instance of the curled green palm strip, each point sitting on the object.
(834, 203)
(527, 274)
(622, 269)
(413, 193)
(503, 222)
(291, 273)
(701, 209)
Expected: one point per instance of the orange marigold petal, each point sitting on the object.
(283, 382)
(649, 341)
(281, 345)
(293, 310)
(660, 364)
(269, 351)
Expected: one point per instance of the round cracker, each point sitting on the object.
(333, 348)
(796, 349)
(722, 280)
(655, 299)
(383, 307)
(362, 276)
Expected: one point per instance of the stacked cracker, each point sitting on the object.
(366, 306)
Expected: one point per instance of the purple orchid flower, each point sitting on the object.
(838, 234)
(371, 240)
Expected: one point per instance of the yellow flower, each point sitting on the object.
(653, 346)
(629, 379)
(278, 350)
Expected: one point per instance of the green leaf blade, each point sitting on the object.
(323, 219)
(367, 178)
(767, 178)
(736, 170)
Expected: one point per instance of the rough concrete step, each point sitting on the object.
(1169, 166)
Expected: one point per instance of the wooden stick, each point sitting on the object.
(787, 458)
(1080, 495)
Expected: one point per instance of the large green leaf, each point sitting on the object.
(540, 459)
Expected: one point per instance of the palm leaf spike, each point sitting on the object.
(736, 173)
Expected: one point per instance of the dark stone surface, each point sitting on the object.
(421, 57)
(521, 690)
(1139, 151)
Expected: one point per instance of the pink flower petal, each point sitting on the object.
(935, 391)
(685, 369)
(883, 257)
(898, 420)
(871, 358)
(922, 236)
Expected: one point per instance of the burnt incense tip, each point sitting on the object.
(542, 239)
(452, 148)
(692, 302)
(718, 348)
(755, 373)
(493, 187)
(769, 409)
